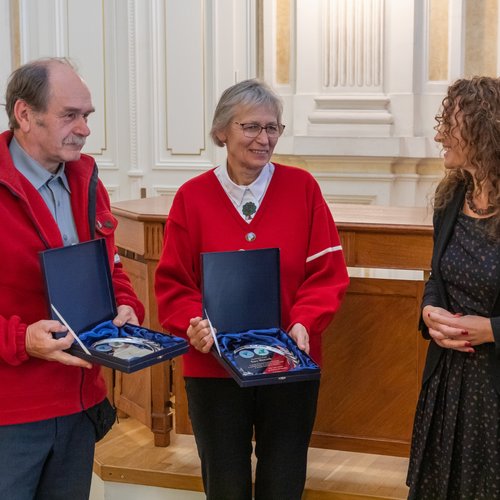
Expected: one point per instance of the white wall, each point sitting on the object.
(359, 111)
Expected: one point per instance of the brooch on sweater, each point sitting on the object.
(249, 208)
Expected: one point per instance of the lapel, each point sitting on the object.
(447, 222)
(443, 231)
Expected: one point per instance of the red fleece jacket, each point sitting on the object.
(32, 389)
(292, 216)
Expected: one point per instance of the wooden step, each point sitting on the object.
(128, 455)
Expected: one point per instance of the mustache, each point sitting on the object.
(74, 140)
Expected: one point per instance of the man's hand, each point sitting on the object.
(40, 343)
(125, 315)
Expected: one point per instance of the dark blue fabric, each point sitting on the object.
(228, 342)
(47, 460)
(108, 330)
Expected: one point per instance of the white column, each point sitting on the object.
(353, 45)
(352, 101)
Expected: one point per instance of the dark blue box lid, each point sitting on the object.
(241, 289)
(78, 283)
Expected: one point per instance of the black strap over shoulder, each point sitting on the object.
(93, 201)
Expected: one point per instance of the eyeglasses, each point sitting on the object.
(253, 130)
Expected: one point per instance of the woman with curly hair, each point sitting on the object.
(455, 451)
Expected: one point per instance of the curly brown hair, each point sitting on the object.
(473, 105)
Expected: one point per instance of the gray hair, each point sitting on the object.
(251, 92)
(30, 83)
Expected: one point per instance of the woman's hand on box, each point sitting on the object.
(199, 334)
(299, 333)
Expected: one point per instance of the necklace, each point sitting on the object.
(478, 211)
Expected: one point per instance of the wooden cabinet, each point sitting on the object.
(373, 354)
(145, 395)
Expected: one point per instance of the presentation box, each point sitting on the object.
(241, 299)
(79, 291)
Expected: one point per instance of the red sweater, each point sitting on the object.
(292, 216)
(32, 389)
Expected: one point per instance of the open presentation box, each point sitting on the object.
(79, 291)
(241, 299)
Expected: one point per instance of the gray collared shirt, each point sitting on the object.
(53, 188)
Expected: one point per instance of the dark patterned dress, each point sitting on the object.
(455, 451)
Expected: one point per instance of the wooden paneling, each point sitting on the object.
(371, 374)
(182, 421)
(132, 393)
(129, 234)
(145, 395)
(366, 248)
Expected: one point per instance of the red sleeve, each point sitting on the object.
(326, 280)
(12, 341)
(177, 284)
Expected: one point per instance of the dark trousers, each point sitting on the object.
(225, 417)
(47, 460)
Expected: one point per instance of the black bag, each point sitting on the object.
(102, 416)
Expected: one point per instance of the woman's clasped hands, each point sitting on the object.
(454, 331)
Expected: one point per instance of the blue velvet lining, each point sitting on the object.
(228, 342)
(107, 330)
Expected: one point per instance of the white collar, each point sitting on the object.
(236, 192)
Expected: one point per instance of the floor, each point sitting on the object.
(127, 456)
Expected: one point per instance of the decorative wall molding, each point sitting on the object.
(351, 115)
(353, 44)
(88, 52)
(132, 82)
(371, 180)
(163, 190)
(356, 199)
(353, 75)
(179, 164)
(185, 99)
